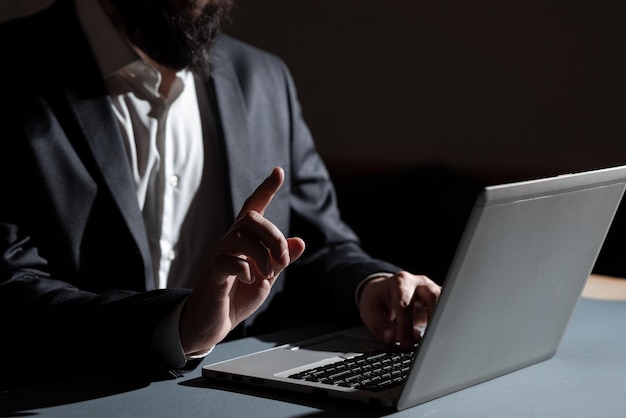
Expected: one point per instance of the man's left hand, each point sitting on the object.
(395, 308)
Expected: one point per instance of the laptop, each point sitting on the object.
(519, 270)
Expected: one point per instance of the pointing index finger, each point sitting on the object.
(264, 193)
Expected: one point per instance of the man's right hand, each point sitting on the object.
(239, 272)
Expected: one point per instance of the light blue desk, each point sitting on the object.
(587, 378)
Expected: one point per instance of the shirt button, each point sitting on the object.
(171, 255)
(174, 181)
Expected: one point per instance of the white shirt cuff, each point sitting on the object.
(166, 345)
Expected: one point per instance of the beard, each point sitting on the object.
(176, 34)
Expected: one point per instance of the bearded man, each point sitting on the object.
(157, 179)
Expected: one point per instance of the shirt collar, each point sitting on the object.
(111, 50)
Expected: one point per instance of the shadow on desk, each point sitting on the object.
(18, 402)
(327, 408)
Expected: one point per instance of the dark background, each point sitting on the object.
(504, 88)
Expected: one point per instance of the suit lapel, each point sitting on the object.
(106, 146)
(232, 113)
(85, 96)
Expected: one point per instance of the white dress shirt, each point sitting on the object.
(172, 154)
(169, 149)
(163, 136)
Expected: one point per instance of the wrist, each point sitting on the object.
(363, 283)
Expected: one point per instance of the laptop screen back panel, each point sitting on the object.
(512, 288)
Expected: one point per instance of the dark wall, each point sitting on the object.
(503, 87)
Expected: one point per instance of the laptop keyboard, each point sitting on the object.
(374, 372)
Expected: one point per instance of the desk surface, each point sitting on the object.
(586, 378)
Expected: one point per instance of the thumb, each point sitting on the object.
(296, 248)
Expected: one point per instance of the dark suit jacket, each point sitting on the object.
(76, 285)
